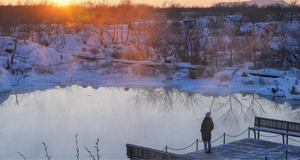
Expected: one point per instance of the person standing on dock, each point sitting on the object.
(206, 127)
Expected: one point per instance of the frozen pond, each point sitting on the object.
(149, 117)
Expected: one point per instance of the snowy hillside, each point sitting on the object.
(206, 54)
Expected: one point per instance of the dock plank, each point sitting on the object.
(249, 149)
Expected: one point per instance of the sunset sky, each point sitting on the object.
(152, 2)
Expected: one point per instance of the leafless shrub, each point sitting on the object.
(94, 51)
(130, 56)
(165, 70)
(247, 82)
(40, 69)
(245, 74)
(193, 74)
(92, 65)
(105, 64)
(143, 71)
(86, 66)
(91, 155)
(259, 65)
(262, 81)
(97, 150)
(225, 77)
(98, 65)
(296, 73)
(84, 50)
(22, 156)
(24, 54)
(209, 73)
(77, 148)
(195, 59)
(116, 54)
(116, 68)
(46, 150)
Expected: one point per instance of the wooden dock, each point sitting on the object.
(250, 149)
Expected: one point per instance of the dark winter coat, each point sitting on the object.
(206, 127)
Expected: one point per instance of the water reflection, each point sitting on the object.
(230, 108)
(152, 117)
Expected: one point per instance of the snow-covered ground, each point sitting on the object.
(37, 67)
(47, 68)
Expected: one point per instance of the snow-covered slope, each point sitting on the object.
(36, 67)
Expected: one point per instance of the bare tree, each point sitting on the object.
(284, 47)
(232, 39)
(214, 41)
(293, 4)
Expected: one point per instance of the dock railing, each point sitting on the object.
(167, 148)
(138, 152)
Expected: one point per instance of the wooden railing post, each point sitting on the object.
(197, 144)
(287, 137)
(224, 138)
(249, 132)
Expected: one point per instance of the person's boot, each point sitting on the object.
(209, 151)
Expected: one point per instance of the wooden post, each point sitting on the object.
(131, 153)
(249, 132)
(283, 139)
(287, 137)
(254, 132)
(197, 145)
(166, 148)
(224, 138)
(258, 127)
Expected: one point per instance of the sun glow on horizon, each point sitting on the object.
(113, 2)
(62, 2)
(157, 3)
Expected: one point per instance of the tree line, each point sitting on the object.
(221, 35)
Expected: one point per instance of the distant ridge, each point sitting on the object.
(252, 2)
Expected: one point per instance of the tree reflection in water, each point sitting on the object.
(230, 109)
(227, 109)
(236, 106)
(163, 97)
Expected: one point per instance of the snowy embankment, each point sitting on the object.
(45, 68)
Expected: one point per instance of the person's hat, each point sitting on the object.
(207, 114)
